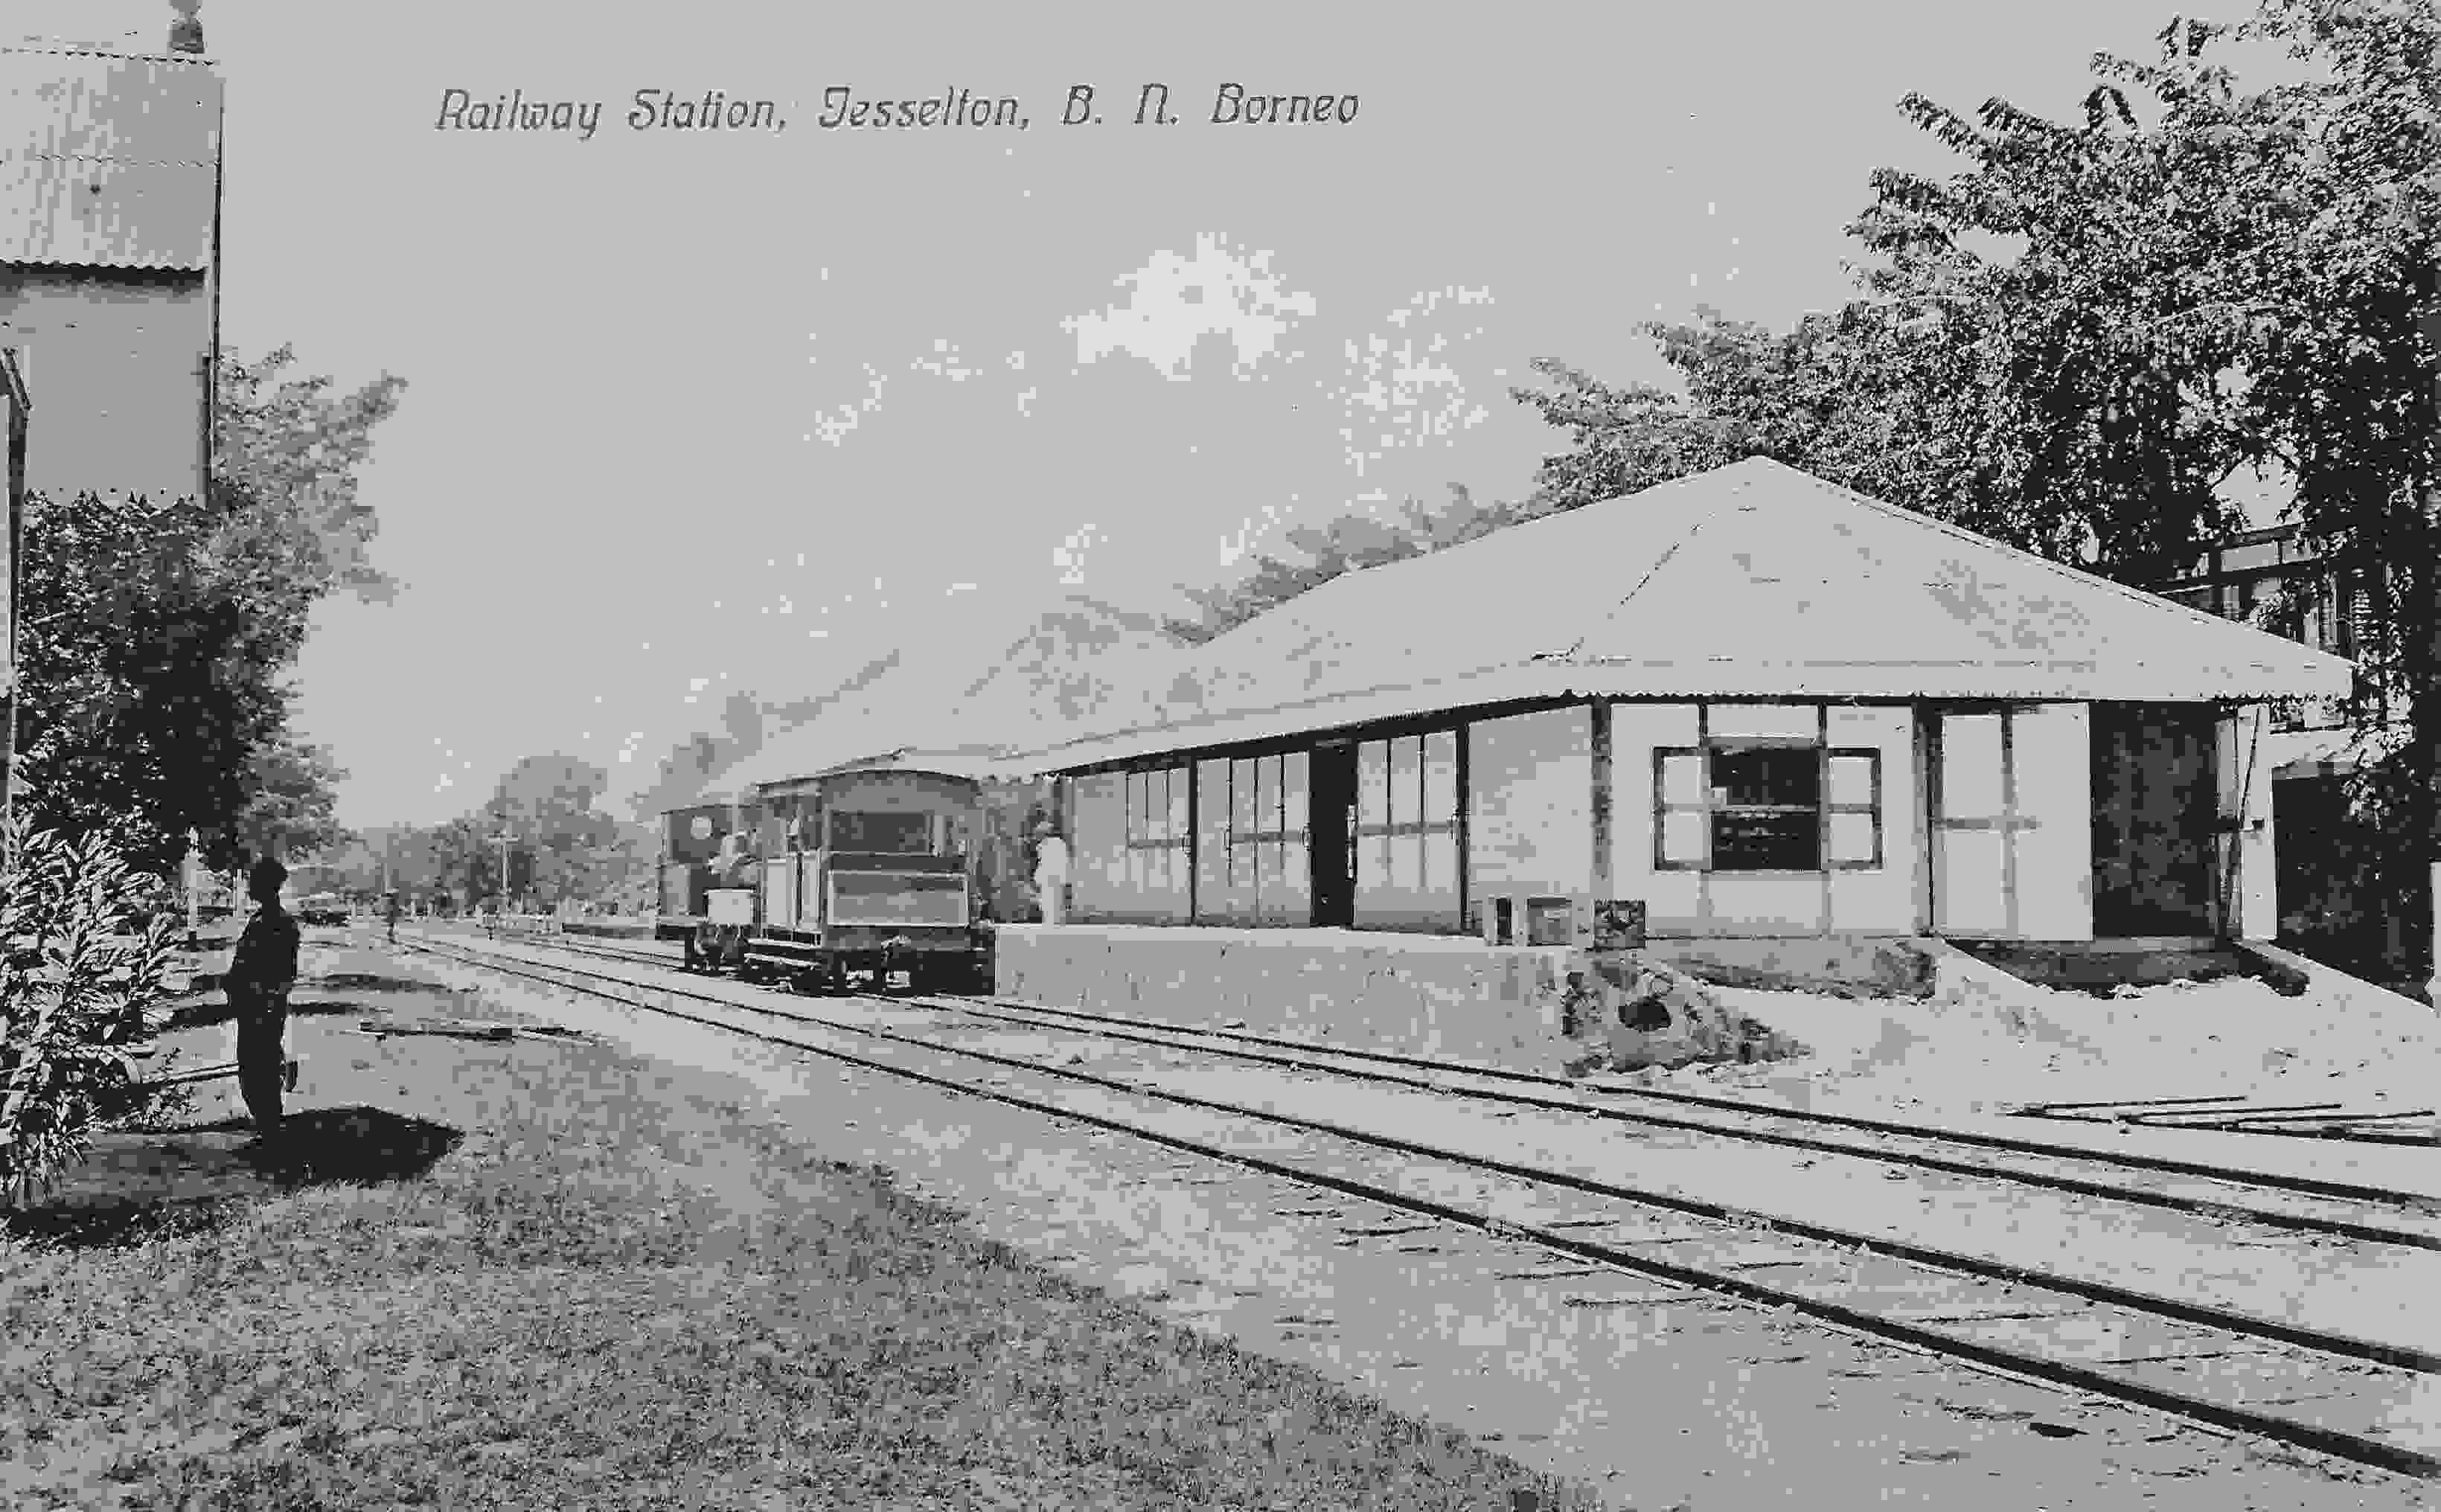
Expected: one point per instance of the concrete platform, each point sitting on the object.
(1555, 1010)
(1431, 995)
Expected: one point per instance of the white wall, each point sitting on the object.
(1672, 900)
(1529, 825)
(1875, 900)
(116, 368)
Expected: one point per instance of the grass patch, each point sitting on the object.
(548, 1274)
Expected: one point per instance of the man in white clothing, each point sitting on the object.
(1051, 873)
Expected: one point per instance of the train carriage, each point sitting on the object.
(887, 868)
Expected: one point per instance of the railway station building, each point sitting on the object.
(1760, 713)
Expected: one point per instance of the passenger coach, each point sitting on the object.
(880, 868)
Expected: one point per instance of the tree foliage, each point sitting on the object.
(293, 809)
(76, 992)
(562, 847)
(155, 638)
(1349, 543)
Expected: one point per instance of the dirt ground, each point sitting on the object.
(1968, 1052)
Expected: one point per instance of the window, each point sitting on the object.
(1766, 806)
(1158, 840)
(1407, 829)
(1263, 868)
(881, 834)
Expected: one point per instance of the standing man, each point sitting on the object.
(1051, 873)
(393, 912)
(260, 973)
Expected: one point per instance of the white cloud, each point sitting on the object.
(1070, 555)
(1173, 303)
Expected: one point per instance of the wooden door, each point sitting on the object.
(1331, 811)
(1974, 821)
(2155, 810)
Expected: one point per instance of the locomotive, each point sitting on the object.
(887, 868)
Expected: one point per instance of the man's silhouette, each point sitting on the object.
(392, 911)
(260, 973)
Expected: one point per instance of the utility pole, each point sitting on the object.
(503, 839)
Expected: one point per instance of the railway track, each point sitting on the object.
(2353, 1398)
(2301, 1203)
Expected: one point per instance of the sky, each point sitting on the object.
(694, 411)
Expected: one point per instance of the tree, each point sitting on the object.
(566, 848)
(154, 635)
(1349, 543)
(287, 458)
(141, 708)
(291, 814)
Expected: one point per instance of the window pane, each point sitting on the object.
(1968, 887)
(1852, 780)
(1178, 778)
(1440, 777)
(1212, 839)
(1682, 779)
(1293, 794)
(1768, 776)
(1682, 838)
(1267, 795)
(1440, 871)
(1767, 842)
(1406, 778)
(1372, 783)
(1852, 837)
(1970, 766)
(889, 833)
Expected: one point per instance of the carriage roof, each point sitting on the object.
(971, 765)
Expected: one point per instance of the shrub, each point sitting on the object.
(81, 982)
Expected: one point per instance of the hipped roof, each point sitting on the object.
(107, 160)
(1750, 580)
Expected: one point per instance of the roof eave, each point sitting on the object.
(2029, 681)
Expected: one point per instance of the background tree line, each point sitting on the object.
(562, 848)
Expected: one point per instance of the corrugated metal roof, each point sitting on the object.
(1753, 580)
(107, 161)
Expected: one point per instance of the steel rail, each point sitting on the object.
(2305, 1185)
(2337, 1443)
(2340, 1227)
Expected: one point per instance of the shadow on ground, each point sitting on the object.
(362, 982)
(207, 1015)
(142, 1186)
(206, 1002)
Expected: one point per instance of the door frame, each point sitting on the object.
(1331, 848)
